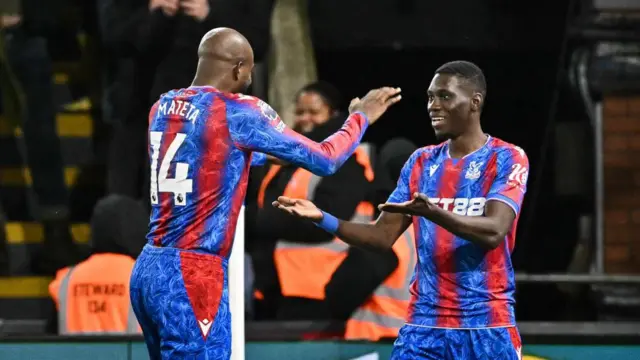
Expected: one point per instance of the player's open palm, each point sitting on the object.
(418, 206)
(375, 103)
(298, 207)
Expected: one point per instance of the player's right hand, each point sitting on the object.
(376, 102)
(298, 207)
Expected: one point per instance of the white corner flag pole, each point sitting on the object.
(236, 290)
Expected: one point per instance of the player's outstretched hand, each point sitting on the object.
(298, 207)
(418, 206)
(376, 102)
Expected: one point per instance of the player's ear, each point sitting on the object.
(236, 71)
(476, 102)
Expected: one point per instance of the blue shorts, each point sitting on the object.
(181, 300)
(417, 342)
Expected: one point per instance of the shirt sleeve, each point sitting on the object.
(510, 183)
(258, 159)
(257, 127)
(402, 192)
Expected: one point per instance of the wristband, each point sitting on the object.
(329, 223)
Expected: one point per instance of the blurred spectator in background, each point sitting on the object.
(86, 80)
(316, 104)
(383, 313)
(153, 46)
(305, 284)
(93, 296)
(27, 90)
(153, 49)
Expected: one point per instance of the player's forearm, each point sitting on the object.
(368, 236)
(323, 159)
(329, 155)
(364, 235)
(484, 231)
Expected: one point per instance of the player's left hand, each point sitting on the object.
(418, 206)
(298, 207)
(197, 9)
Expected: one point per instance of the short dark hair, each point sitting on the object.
(467, 71)
(329, 93)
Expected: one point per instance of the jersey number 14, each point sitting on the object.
(179, 185)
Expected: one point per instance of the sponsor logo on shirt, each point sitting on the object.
(518, 177)
(473, 171)
(433, 169)
(462, 206)
(280, 127)
(205, 326)
(268, 111)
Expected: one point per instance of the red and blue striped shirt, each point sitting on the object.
(456, 283)
(201, 144)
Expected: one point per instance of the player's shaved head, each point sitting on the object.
(224, 44)
(225, 60)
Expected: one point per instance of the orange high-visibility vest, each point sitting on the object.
(93, 296)
(305, 269)
(384, 313)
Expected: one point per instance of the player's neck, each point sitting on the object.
(467, 143)
(199, 80)
(204, 77)
(206, 82)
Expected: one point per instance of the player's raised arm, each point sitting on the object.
(262, 130)
(503, 204)
(380, 235)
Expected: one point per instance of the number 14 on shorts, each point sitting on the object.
(179, 185)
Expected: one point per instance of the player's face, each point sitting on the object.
(449, 104)
(311, 110)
